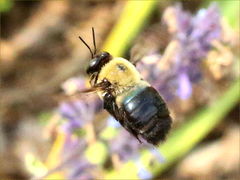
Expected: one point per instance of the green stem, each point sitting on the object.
(134, 16)
(185, 138)
(182, 140)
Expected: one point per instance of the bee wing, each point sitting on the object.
(76, 95)
(154, 39)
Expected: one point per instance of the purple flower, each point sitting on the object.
(111, 121)
(74, 164)
(74, 84)
(157, 155)
(192, 37)
(172, 74)
(125, 146)
(82, 170)
(185, 89)
(206, 25)
(71, 112)
(80, 111)
(143, 173)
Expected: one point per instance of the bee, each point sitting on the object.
(131, 100)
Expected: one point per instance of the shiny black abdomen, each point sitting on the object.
(148, 115)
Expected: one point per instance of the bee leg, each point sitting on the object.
(93, 79)
(103, 85)
(111, 106)
(96, 78)
(128, 127)
(132, 132)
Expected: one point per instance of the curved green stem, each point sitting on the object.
(134, 16)
(182, 140)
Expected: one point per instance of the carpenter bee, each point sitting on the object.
(132, 101)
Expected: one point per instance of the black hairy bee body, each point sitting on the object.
(148, 115)
(144, 114)
(134, 103)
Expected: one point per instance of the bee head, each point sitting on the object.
(98, 62)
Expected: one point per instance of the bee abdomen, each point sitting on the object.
(158, 131)
(148, 115)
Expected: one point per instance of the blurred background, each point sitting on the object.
(187, 50)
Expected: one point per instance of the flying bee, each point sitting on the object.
(132, 101)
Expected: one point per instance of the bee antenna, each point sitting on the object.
(87, 46)
(94, 41)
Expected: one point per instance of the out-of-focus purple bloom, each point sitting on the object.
(193, 36)
(72, 142)
(79, 111)
(143, 173)
(125, 145)
(157, 155)
(73, 85)
(206, 26)
(73, 112)
(75, 165)
(111, 121)
(82, 170)
(148, 68)
(185, 88)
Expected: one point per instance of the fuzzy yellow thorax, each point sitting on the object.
(120, 72)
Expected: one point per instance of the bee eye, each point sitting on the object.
(93, 62)
(92, 65)
(96, 63)
(105, 55)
